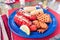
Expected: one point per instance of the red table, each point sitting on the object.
(57, 31)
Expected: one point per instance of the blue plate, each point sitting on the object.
(16, 30)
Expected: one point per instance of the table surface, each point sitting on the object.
(57, 31)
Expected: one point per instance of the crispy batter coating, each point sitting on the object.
(44, 18)
(43, 25)
(36, 22)
(41, 30)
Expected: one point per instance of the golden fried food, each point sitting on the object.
(43, 25)
(44, 18)
(36, 22)
(41, 30)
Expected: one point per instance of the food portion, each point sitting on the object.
(25, 29)
(29, 9)
(41, 30)
(36, 22)
(44, 18)
(33, 21)
(33, 28)
(21, 20)
(37, 12)
(40, 24)
(30, 17)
